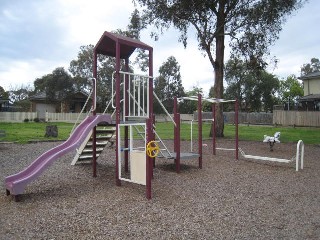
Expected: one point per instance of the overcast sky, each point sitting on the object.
(37, 36)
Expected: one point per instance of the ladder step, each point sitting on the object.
(89, 150)
(100, 143)
(86, 156)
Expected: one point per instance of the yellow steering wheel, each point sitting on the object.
(152, 149)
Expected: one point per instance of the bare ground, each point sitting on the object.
(226, 199)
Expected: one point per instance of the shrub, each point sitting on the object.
(36, 120)
(26, 120)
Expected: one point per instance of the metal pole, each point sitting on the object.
(175, 111)
(126, 113)
(150, 123)
(118, 182)
(94, 131)
(200, 129)
(149, 168)
(237, 127)
(178, 144)
(213, 129)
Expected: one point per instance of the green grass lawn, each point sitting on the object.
(31, 131)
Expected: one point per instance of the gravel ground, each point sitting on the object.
(227, 199)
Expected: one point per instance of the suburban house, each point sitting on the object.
(73, 104)
(4, 105)
(311, 86)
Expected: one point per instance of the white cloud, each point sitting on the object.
(37, 36)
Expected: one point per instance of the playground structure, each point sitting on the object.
(299, 157)
(132, 98)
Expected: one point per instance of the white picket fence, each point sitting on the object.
(65, 117)
(17, 116)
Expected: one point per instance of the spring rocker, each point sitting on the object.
(272, 140)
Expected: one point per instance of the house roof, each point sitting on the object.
(313, 75)
(107, 45)
(310, 97)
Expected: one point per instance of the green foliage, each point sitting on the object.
(3, 94)
(26, 120)
(188, 106)
(56, 85)
(251, 25)
(254, 88)
(290, 90)
(168, 85)
(313, 66)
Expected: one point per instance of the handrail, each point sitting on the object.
(94, 100)
(82, 110)
(134, 74)
(165, 110)
(299, 153)
(112, 94)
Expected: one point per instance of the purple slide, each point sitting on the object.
(15, 184)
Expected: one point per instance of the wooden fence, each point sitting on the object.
(254, 118)
(279, 117)
(296, 118)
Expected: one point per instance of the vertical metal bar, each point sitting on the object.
(134, 96)
(175, 112)
(200, 129)
(118, 182)
(153, 138)
(149, 167)
(129, 91)
(178, 166)
(118, 154)
(237, 127)
(139, 96)
(150, 86)
(214, 129)
(191, 132)
(126, 112)
(94, 132)
(150, 124)
(143, 97)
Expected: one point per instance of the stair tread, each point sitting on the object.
(86, 156)
(87, 150)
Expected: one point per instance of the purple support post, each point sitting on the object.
(118, 182)
(149, 168)
(94, 130)
(126, 111)
(200, 129)
(214, 128)
(175, 112)
(177, 120)
(236, 119)
(150, 123)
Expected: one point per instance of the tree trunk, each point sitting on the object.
(218, 68)
(51, 131)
